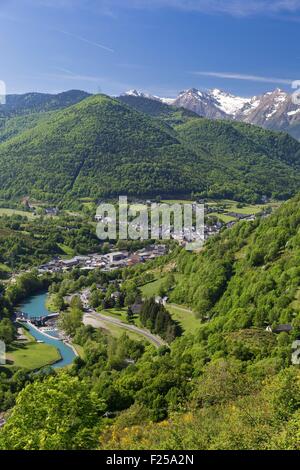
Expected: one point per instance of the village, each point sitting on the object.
(121, 259)
(105, 262)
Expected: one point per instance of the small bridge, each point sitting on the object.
(37, 321)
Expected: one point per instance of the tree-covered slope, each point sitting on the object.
(101, 147)
(22, 112)
(228, 385)
(95, 148)
(11, 127)
(245, 160)
(247, 276)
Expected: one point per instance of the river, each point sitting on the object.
(35, 306)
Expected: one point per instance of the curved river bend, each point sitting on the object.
(35, 306)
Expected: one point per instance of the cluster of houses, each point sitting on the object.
(105, 262)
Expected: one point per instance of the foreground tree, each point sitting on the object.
(59, 413)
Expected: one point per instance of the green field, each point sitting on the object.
(296, 303)
(152, 288)
(118, 331)
(67, 250)
(79, 349)
(120, 313)
(185, 317)
(177, 201)
(32, 355)
(226, 205)
(5, 268)
(222, 217)
(10, 212)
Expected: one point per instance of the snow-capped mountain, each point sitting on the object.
(213, 104)
(140, 94)
(229, 104)
(200, 102)
(273, 110)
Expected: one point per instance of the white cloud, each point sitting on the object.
(65, 74)
(250, 78)
(232, 7)
(87, 41)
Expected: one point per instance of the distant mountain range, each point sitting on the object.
(274, 110)
(27, 103)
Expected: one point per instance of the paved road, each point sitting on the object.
(97, 320)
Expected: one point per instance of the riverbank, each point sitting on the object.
(32, 355)
(35, 307)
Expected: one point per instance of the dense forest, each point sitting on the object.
(229, 385)
(244, 159)
(101, 147)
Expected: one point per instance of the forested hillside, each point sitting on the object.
(101, 147)
(22, 112)
(244, 159)
(230, 385)
(247, 276)
(12, 126)
(98, 147)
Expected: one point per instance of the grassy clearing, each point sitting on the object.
(73, 214)
(89, 205)
(152, 288)
(296, 303)
(224, 206)
(185, 317)
(67, 250)
(228, 205)
(10, 212)
(32, 355)
(118, 331)
(50, 304)
(119, 313)
(5, 268)
(247, 210)
(223, 217)
(86, 199)
(26, 333)
(177, 201)
(79, 350)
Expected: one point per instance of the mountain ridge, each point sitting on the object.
(273, 110)
(20, 104)
(102, 147)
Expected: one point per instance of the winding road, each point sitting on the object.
(97, 320)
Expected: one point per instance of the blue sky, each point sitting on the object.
(159, 46)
